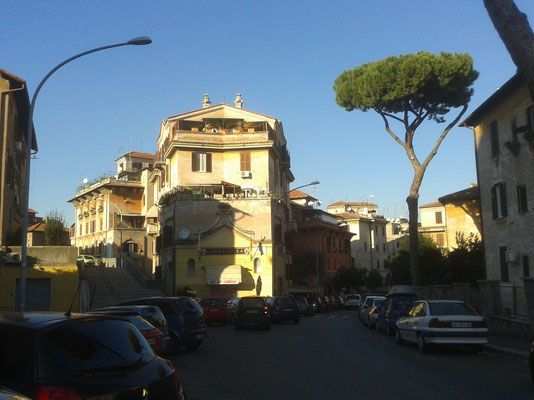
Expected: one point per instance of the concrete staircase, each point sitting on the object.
(109, 286)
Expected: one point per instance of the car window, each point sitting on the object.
(285, 302)
(252, 303)
(188, 305)
(378, 302)
(140, 323)
(91, 345)
(451, 308)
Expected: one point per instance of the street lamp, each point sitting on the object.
(138, 41)
(313, 183)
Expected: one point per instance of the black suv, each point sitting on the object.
(54, 356)
(284, 308)
(252, 312)
(185, 319)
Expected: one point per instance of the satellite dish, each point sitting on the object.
(184, 233)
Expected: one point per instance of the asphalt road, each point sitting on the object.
(332, 356)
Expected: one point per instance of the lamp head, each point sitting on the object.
(140, 41)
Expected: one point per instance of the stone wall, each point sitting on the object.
(51, 255)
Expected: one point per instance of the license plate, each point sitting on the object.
(461, 324)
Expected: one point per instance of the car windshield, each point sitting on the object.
(450, 308)
(252, 303)
(85, 345)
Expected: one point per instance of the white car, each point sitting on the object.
(368, 304)
(353, 301)
(448, 322)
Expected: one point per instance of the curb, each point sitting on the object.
(507, 350)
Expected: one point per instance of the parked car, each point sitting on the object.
(374, 312)
(367, 305)
(6, 394)
(215, 310)
(152, 334)
(283, 308)
(326, 304)
(152, 314)
(252, 312)
(185, 319)
(231, 308)
(316, 303)
(353, 301)
(81, 356)
(399, 301)
(531, 359)
(448, 322)
(99, 261)
(85, 260)
(305, 308)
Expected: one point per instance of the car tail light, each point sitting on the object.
(56, 393)
(437, 323)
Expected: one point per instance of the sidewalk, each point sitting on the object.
(509, 344)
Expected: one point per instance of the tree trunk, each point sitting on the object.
(413, 212)
(516, 33)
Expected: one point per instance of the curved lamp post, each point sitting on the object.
(306, 185)
(138, 41)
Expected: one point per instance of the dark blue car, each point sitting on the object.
(398, 302)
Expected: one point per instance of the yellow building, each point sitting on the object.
(455, 214)
(221, 179)
(51, 288)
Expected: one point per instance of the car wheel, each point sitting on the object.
(421, 345)
(398, 338)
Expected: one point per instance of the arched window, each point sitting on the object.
(191, 267)
(257, 265)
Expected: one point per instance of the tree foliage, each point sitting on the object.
(464, 264)
(423, 83)
(56, 233)
(373, 279)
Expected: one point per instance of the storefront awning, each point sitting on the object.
(224, 275)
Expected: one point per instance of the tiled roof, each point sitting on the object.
(139, 154)
(353, 203)
(38, 227)
(472, 193)
(432, 204)
(298, 194)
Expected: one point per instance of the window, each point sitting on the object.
(93, 226)
(498, 200)
(505, 276)
(494, 137)
(87, 228)
(201, 162)
(191, 268)
(440, 239)
(245, 160)
(439, 217)
(101, 224)
(526, 266)
(80, 228)
(522, 203)
(137, 166)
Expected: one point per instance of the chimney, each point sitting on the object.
(238, 101)
(206, 101)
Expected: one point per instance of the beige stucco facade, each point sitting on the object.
(220, 180)
(504, 161)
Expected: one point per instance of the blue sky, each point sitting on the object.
(283, 56)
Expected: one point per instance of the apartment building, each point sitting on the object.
(14, 108)
(220, 180)
(503, 128)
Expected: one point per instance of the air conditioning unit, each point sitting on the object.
(246, 174)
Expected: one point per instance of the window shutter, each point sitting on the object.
(494, 207)
(504, 202)
(208, 162)
(245, 161)
(195, 159)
